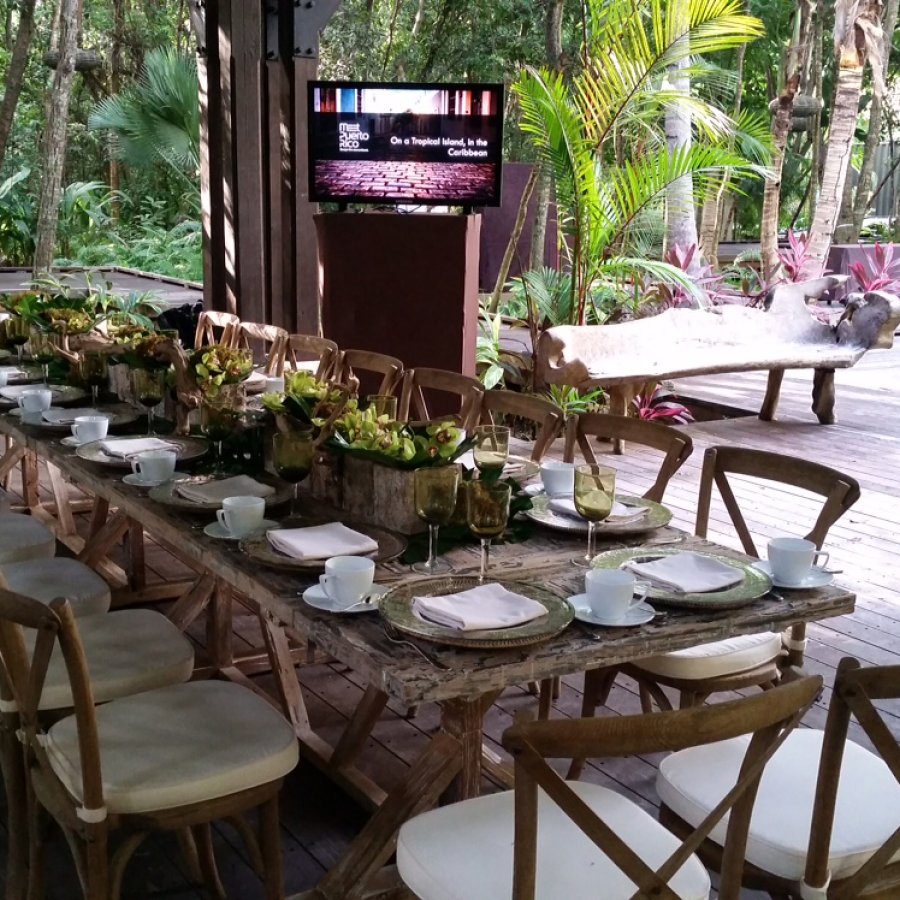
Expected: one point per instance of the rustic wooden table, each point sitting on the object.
(464, 682)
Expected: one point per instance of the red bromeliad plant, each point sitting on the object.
(884, 274)
(661, 405)
(793, 259)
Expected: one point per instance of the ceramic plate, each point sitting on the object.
(135, 480)
(61, 393)
(218, 530)
(258, 548)
(637, 615)
(118, 415)
(316, 597)
(755, 583)
(168, 495)
(817, 577)
(187, 447)
(657, 516)
(396, 608)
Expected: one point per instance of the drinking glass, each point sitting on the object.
(595, 493)
(491, 448)
(43, 350)
(293, 453)
(93, 371)
(217, 421)
(435, 497)
(487, 512)
(17, 333)
(149, 386)
(384, 405)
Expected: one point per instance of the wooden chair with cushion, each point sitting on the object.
(546, 416)
(170, 758)
(210, 320)
(382, 374)
(581, 841)
(416, 382)
(273, 343)
(826, 822)
(313, 354)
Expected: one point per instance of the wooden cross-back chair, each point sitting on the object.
(209, 322)
(826, 825)
(547, 417)
(368, 362)
(315, 354)
(169, 759)
(675, 445)
(417, 381)
(580, 840)
(273, 341)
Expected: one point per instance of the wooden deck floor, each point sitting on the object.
(318, 821)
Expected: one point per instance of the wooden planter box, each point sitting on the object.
(368, 491)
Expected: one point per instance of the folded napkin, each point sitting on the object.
(321, 541)
(486, 606)
(126, 448)
(565, 506)
(68, 416)
(217, 491)
(687, 573)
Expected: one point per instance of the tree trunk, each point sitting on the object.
(15, 73)
(115, 85)
(54, 149)
(506, 262)
(815, 162)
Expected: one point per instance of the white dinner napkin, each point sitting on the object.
(68, 416)
(688, 573)
(126, 448)
(321, 541)
(486, 606)
(217, 491)
(565, 506)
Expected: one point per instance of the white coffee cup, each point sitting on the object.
(611, 593)
(241, 515)
(558, 478)
(35, 400)
(347, 579)
(154, 465)
(792, 558)
(89, 428)
(4, 377)
(274, 384)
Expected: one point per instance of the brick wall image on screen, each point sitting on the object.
(452, 182)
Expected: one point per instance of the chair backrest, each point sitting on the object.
(209, 321)
(545, 414)
(675, 444)
(273, 341)
(856, 690)
(416, 381)
(768, 716)
(388, 367)
(839, 490)
(324, 354)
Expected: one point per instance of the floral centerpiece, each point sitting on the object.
(307, 402)
(138, 347)
(60, 314)
(216, 366)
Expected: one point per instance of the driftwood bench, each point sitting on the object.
(681, 342)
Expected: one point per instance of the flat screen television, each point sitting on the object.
(438, 144)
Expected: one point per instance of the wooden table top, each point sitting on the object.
(360, 641)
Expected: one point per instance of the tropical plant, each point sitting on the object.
(661, 405)
(17, 220)
(495, 364)
(883, 273)
(619, 96)
(572, 402)
(216, 365)
(84, 210)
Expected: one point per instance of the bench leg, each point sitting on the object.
(823, 396)
(773, 392)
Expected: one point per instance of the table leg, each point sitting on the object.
(191, 603)
(30, 478)
(773, 392)
(219, 634)
(823, 396)
(463, 719)
(64, 520)
(137, 571)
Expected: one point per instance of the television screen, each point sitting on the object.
(409, 143)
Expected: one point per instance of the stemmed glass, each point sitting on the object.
(435, 490)
(217, 422)
(595, 493)
(487, 512)
(491, 449)
(293, 453)
(17, 333)
(93, 371)
(43, 351)
(149, 386)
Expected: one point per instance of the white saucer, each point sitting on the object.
(817, 577)
(72, 441)
(637, 615)
(134, 479)
(537, 489)
(316, 597)
(216, 530)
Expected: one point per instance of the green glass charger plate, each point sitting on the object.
(61, 394)
(119, 415)
(186, 448)
(396, 609)
(657, 517)
(754, 585)
(168, 494)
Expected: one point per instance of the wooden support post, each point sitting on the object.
(823, 396)
(773, 392)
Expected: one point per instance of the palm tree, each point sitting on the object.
(619, 97)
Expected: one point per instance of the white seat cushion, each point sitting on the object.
(178, 745)
(693, 781)
(729, 657)
(127, 652)
(23, 537)
(465, 851)
(47, 579)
